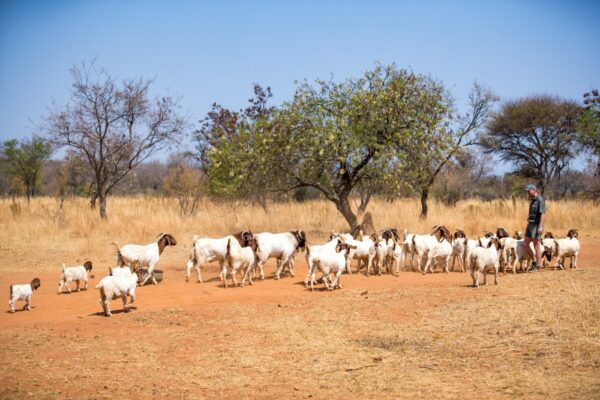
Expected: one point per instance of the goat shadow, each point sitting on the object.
(18, 310)
(119, 311)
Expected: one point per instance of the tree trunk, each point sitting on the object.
(364, 202)
(424, 209)
(343, 206)
(102, 198)
(93, 199)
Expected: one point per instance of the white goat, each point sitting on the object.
(282, 246)
(147, 255)
(359, 251)
(440, 251)
(22, 292)
(77, 274)
(395, 250)
(378, 254)
(521, 255)
(421, 244)
(313, 251)
(241, 257)
(112, 287)
(459, 245)
(507, 247)
(483, 258)
(568, 247)
(205, 250)
(330, 262)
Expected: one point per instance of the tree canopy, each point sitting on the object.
(361, 135)
(24, 160)
(113, 126)
(536, 134)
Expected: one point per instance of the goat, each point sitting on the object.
(282, 246)
(79, 273)
(521, 255)
(330, 262)
(313, 251)
(395, 249)
(507, 247)
(378, 254)
(459, 244)
(360, 251)
(484, 257)
(112, 287)
(421, 244)
(241, 257)
(441, 250)
(205, 250)
(147, 255)
(22, 292)
(568, 247)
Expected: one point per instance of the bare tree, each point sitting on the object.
(186, 182)
(113, 126)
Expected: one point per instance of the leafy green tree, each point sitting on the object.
(340, 138)
(589, 123)
(431, 149)
(537, 134)
(24, 161)
(589, 135)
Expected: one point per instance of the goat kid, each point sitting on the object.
(22, 292)
(77, 274)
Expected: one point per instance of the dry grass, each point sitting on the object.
(75, 232)
(534, 336)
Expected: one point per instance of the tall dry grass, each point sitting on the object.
(42, 235)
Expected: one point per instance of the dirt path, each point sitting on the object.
(189, 340)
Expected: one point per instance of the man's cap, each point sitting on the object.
(531, 186)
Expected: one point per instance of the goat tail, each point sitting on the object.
(194, 238)
(228, 252)
(99, 286)
(307, 250)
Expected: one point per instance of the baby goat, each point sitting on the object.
(483, 258)
(112, 287)
(22, 292)
(79, 273)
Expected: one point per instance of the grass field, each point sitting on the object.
(533, 336)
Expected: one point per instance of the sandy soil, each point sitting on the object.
(378, 337)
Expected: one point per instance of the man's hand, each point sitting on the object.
(540, 230)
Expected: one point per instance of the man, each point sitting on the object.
(535, 225)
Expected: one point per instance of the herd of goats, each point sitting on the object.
(245, 252)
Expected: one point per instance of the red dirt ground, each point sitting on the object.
(68, 331)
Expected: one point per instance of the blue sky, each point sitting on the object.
(214, 51)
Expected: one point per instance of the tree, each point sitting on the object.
(589, 134)
(24, 161)
(113, 126)
(589, 123)
(537, 134)
(186, 182)
(338, 138)
(223, 128)
(431, 149)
